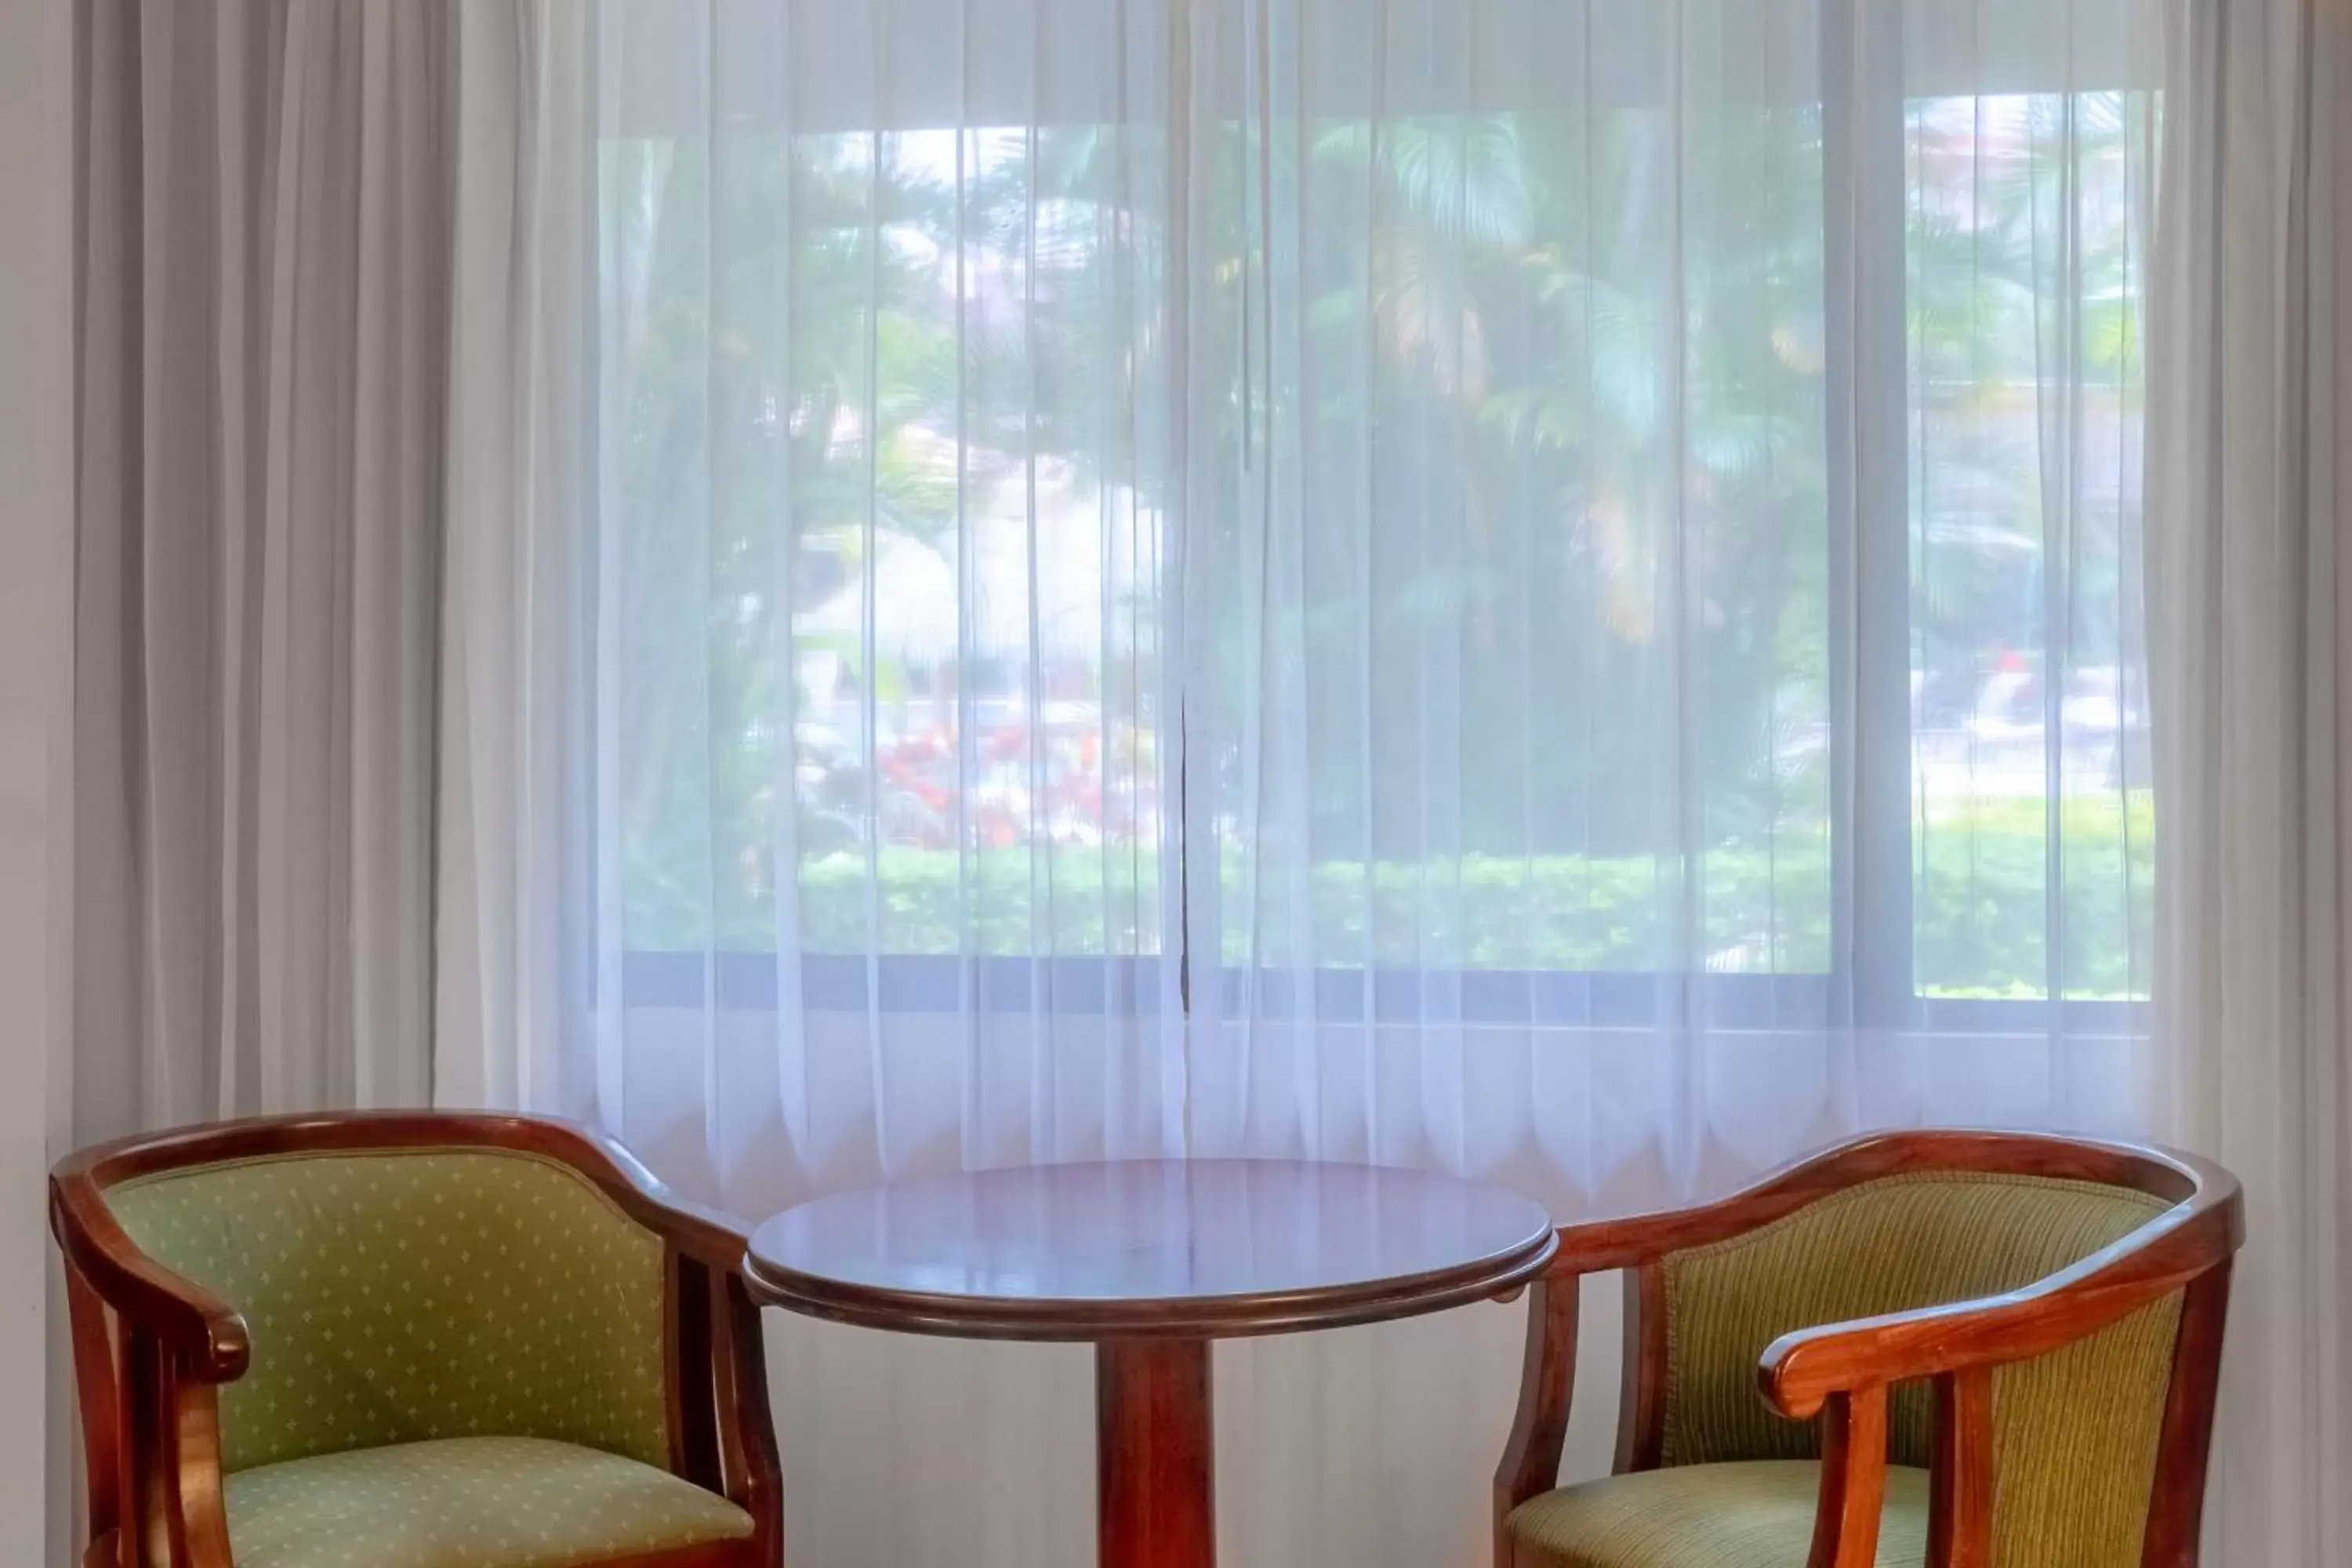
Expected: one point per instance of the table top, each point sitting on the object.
(1190, 1249)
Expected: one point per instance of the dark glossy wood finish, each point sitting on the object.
(2174, 1525)
(687, 1313)
(1156, 1489)
(1540, 1431)
(1151, 1261)
(102, 1442)
(1853, 1478)
(747, 1429)
(1145, 1248)
(1641, 1407)
(1959, 1479)
(1841, 1372)
(152, 1346)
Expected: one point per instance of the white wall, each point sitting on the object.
(35, 578)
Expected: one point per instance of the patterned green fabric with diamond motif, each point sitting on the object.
(469, 1503)
(397, 1295)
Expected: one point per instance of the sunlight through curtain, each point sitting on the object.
(1660, 566)
(1542, 587)
(884, 822)
(1665, 683)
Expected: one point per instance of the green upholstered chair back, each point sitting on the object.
(2075, 1432)
(397, 1294)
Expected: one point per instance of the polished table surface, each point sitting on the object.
(1200, 1248)
(1150, 1260)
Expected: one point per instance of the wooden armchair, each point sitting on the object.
(410, 1341)
(1973, 1348)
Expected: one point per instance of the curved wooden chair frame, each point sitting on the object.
(151, 1347)
(1841, 1372)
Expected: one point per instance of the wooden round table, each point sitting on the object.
(1150, 1260)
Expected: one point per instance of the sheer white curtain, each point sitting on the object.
(811, 747)
(1665, 678)
(882, 788)
(1543, 589)
(1664, 681)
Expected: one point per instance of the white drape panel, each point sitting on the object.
(263, 250)
(261, 231)
(1662, 604)
(2248, 581)
(1665, 625)
(882, 788)
(37, 475)
(1546, 589)
(515, 870)
(809, 759)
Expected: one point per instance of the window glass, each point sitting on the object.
(2031, 811)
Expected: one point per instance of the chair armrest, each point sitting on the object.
(1800, 1369)
(1596, 1246)
(1530, 1461)
(1632, 1240)
(703, 1234)
(206, 1332)
(2196, 1187)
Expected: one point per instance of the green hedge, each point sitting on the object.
(1981, 898)
(1981, 916)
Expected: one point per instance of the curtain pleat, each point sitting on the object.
(2247, 582)
(518, 955)
(1547, 590)
(264, 200)
(1662, 574)
(1544, 589)
(884, 837)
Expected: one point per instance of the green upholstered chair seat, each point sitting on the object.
(468, 1502)
(1739, 1514)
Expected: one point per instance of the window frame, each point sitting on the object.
(1872, 984)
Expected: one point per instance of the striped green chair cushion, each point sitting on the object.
(398, 1295)
(468, 1502)
(2075, 1432)
(1758, 1514)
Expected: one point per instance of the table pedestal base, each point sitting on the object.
(1155, 1474)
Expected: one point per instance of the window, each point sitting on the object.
(2032, 817)
(877, 458)
(1569, 710)
(1479, 538)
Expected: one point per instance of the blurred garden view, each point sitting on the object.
(932, 573)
